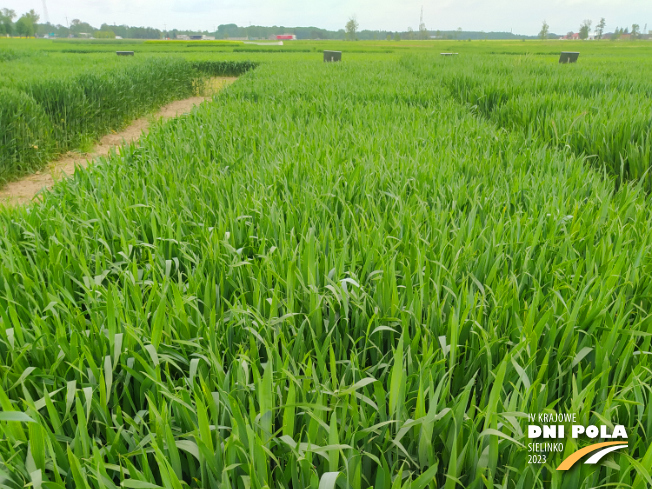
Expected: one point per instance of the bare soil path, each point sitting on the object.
(24, 190)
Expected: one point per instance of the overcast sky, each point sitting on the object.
(519, 16)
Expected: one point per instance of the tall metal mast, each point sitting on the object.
(45, 13)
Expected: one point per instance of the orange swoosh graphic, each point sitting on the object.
(574, 457)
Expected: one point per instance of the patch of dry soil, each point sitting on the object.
(23, 190)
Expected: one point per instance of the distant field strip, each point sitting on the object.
(41, 118)
(25, 189)
(598, 109)
(333, 274)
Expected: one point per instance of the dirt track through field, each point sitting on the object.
(24, 190)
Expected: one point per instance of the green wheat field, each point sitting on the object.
(358, 274)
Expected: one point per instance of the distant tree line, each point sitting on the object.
(25, 26)
(462, 35)
(351, 32)
(83, 29)
(598, 33)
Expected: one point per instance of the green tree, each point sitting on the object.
(78, 27)
(7, 17)
(599, 29)
(105, 34)
(423, 31)
(545, 29)
(397, 37)
(33, 17)
(585, 29)
(351, 28)
(123, 30)
(26, 25)
(636, 31)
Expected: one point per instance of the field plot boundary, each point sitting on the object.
(25, 189)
